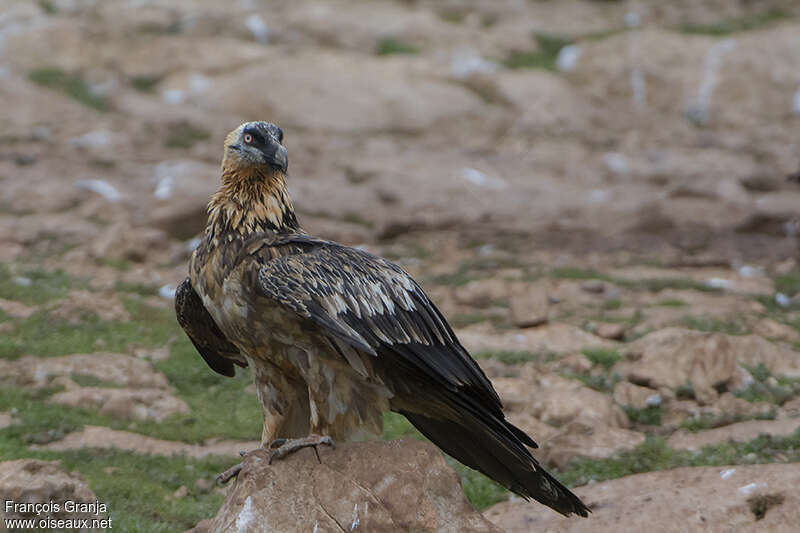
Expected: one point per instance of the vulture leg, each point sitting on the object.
(289, 446)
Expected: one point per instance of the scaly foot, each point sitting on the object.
(233, 471)
(284, 447)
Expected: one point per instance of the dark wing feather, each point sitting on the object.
(376, 307)
(204, 333)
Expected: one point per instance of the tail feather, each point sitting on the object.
(496, 449)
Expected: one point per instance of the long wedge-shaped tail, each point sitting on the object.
(496, 448)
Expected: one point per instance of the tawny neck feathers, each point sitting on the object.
(250, 203)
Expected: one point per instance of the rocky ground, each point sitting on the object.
(594, 193)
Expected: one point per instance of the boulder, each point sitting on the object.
(529, 305)
(689, 500)
(587, 439)
(398, 486)
(739, 432)
(119, 369)
(141, 404)
(30, 481)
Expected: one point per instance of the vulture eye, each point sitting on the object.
(248, 138)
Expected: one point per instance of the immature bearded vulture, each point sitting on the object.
(336, 336)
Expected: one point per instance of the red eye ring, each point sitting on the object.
(248, 138)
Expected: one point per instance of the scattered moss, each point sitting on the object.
(670, 303)
(145, 84)
(713, 325)
(391, 46)
(654, 454)
(685, 391)
(184, 135)
(789, 283)
(42, 335)
(509, 357)
(461, 276)
(396, 426)
(543, 57)
(649, 416)
(605, 357)
(142, 289)
(73, 85)
(704, 422)
(355, 218)
(764, 389)
(736, 24)
(138, 488)
(612, 304)
(603, 381)
(481, 491)
(462, 320)
(577, 273)
(36, 286)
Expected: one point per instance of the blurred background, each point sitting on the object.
(597, 194)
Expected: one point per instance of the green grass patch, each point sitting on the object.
(36, 286)
(654, 455)
(138, 488)
(145, 84)
(704, 422)
(71, 84)
(715, 325)
(393, 46)
(603, 381)
(777, 390)
(649, 416)
(42, 335)
(543, 57)
(605, 357)
(728, 26)
(511, 357)
(185, 135)
(670, 302)
(612, 304)
(789, 283)
(481, 491)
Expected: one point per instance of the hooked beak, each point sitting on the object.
(278, 157)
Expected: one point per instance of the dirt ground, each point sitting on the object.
(597, 195)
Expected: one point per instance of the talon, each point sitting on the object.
(229, 474)
(277, 443)
(289, 446)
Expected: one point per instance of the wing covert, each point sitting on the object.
(376, 307)
(219, 353)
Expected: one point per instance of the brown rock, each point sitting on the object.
(548, 338)
(31, 481)
(79, 305)
(5, 420)
(529, 306)
(119, 369)
(183, 188)
(141, 404)
(594, 440)
(399, 486)
(773, 330)
(628, 394)
(556, 400)
(610, 331)
(481, 292)
(688, 500)
(672, 357)
(16, 309)
(738, 432)
(103, 437)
